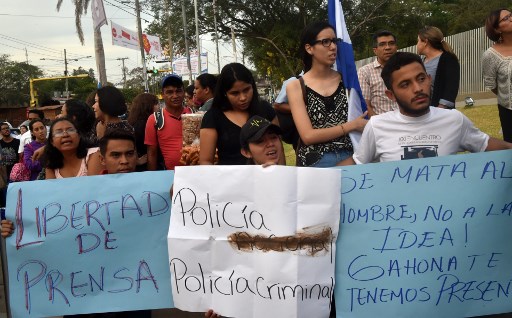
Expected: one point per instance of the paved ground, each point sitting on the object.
(481, 99)
(478, 102)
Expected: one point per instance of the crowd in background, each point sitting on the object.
(239, 128)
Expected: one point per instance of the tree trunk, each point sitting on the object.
(100, 58)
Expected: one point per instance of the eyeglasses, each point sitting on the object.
(505, 18)
(60, 133)
(327, 42)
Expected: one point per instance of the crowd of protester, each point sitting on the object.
(404, 94)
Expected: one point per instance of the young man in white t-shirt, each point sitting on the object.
(417, 130)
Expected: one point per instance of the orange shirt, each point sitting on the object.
(169, 139)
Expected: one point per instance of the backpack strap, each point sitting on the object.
(303, 88)
(159, 119)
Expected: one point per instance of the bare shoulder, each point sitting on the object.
(293, 83)
(292, 87)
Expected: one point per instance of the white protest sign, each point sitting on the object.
(258, 244)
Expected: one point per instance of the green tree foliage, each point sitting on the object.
(14, 81)
(269, 30)
(406, 17)
(135, 79)
(82, 87)
(471, 14)
(79, 87)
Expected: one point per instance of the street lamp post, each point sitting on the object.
(141, 44)
(216, 36)
(66, 68)
(198, 44)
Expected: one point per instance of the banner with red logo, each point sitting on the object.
(122, 36)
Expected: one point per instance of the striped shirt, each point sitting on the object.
(373, 88)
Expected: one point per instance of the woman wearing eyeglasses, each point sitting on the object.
(497, 65)
(441, 64)
(318, 101)
(66, 153)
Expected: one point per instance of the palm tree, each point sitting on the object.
(81, 9)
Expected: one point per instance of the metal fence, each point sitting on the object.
(469, 47)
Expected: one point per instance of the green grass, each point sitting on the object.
(486, 118)
(289, 153)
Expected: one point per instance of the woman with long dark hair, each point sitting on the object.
(441, 64)
(236, 100)
(38, 131)
(67, 155)
(143, 106)
(83, 118)
(497, 65)
(318, 101)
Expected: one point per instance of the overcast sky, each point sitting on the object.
(35, 25)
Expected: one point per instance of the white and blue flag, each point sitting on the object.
(346, 65)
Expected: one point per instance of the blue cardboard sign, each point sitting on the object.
(426, 238)
(89, 244)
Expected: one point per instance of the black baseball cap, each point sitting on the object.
(172, 80)
(255, 128)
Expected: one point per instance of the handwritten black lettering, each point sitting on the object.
(226, 214)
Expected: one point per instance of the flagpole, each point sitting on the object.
(345, 64)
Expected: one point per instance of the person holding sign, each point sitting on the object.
(417, 130)
(260, 142)
(117, 152)
(118, 155)
(67, 154)
(261, 145)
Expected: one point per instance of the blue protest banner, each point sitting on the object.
(89, 244)
(426, 238)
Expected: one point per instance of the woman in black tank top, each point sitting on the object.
(319, 103)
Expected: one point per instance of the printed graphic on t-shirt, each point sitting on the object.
(9, 156)
(423, 151)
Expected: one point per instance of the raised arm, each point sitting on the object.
(32, 165)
